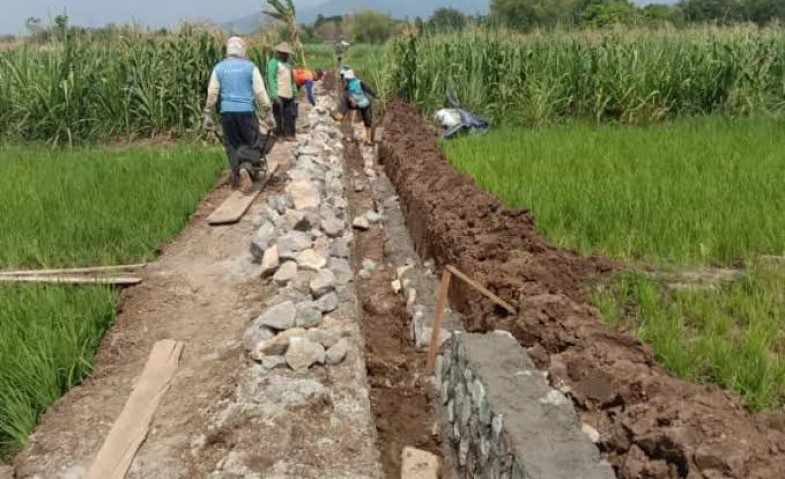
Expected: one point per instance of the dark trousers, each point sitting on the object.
(366, 113)
(243, 142)
(285, 112)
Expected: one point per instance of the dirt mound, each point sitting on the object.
(652, 425)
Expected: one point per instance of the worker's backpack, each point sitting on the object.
(357, 94)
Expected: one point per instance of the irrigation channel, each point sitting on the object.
(317, 370)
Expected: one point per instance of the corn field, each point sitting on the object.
(138, 87)
(630, 77)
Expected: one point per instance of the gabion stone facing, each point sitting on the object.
(504, 420)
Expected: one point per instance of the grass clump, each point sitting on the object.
(78, 208)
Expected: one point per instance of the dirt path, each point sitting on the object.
(224, 416)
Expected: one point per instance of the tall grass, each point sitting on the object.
(82, 91)
(694, 191)
(47, 339)
(74, 208)
(627, 76)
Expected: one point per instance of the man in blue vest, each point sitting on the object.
(238, 83)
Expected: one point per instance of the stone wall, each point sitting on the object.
(503, 419)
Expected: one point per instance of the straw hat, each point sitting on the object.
(284, 48)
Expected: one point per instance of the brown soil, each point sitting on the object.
(399, 390)
(652, 425)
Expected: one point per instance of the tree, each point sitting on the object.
(369, 26)
(720, 11)
(286, 13)
(446, 20)
(528, 14)
(605, 13)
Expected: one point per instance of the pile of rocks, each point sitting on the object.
(303, 245)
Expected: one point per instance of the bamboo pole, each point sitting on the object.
(69, 271)
(481, 289)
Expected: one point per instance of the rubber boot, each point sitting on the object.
(246, 181)
(368, 137)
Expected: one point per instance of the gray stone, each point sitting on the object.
(322, 283)
(339, 202)
(270, 261)
(342, 271)
(273, 216)
(340, 248)
(327, 303)
(333, 227)
(334, 187)
(337, 353)
(279, 203)
(361, 223)
(308, 222)
(364, 274)
(304, 353)
(291, 218)
(311, 260)
(451, 411)
(304, 194)
(322, 245)
(272, 362)
(256, 334)
(359, 186)
(287, 272)
(369, 265)
(308, 151)
(280, 317)
(308, 317)
(326, 338)
(262, 240)
(291, 243)
(373, 217)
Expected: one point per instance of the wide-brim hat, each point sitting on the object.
(284, 48)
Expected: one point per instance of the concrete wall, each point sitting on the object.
(503, 419)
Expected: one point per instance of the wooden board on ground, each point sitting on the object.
(71, 271)
(131, 427)
(54, 279)
(235, 207)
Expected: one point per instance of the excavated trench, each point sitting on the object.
(400, 399)
(651, 425)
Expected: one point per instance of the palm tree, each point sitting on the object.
(286, 13)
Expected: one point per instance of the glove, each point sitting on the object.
(269, 118)
(208, 124)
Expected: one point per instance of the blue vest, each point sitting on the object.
(236, 78)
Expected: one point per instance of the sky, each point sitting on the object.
(148, 12)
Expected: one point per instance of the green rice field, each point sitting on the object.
(64, 208)
(689, 194)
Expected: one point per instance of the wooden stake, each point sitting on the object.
(481, 289)
(117, 281)
(70, 271)
(437, 324)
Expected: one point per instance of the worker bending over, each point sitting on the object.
(283, 89)
(305, 79)
(238, 82)
(356, 95)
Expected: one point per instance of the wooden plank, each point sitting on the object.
(54, 279)
(235, 207)
(437, 323)
(481, 289)
(130, 429)
(70, 271)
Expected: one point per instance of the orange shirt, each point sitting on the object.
(302, 76)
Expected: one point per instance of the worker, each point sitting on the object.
(238, 82)
(356, 97)
(283, 89)
(305, 79)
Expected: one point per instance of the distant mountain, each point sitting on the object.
(397, 8)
